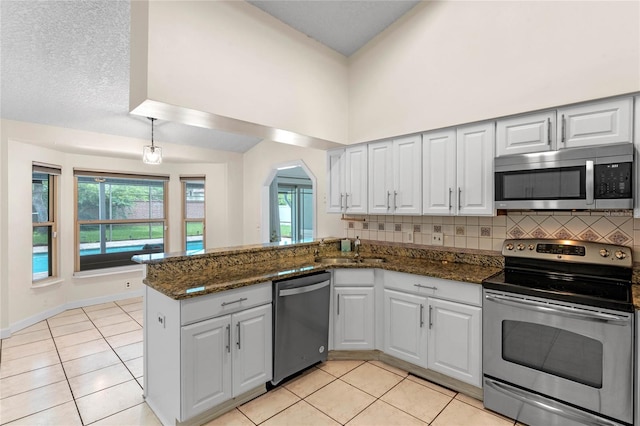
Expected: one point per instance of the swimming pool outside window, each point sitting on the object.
(44, 194)
(193, 212)
(118, 216)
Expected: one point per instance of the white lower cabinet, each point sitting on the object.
(203, 352)
(205, 365)
(353, 307)
(405, 334)
(435, 324)
(354, 318)
(224, 357)
(455, 340)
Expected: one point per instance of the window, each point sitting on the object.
(117, 217)
(193, 212)
(44, 179)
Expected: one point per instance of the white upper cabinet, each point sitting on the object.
(439, 172)
(458, 171)
(395, 184)
(474, 169)
(526, 133)
(356, 179)
(596, 123)
(347, 180)
(335, 180)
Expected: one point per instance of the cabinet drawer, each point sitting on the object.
(437, 287)
(353, 277)
(225, 302)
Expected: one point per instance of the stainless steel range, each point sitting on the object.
(558, 329)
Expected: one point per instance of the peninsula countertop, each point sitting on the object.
(181, 277)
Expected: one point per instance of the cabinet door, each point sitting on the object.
(474, 169)
(252, 352)
(335, 181)
(526, 133)
(636, 212)
(595, 123)
(354, 318)
(407, 165)
(439, 173)
(205, 365)
(356, 180)
(455, 340)
(380, 177)
(405, 333)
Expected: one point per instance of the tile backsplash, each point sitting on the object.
(488, 233)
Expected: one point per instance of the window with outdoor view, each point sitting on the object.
(118, 216)
(193, 213)
(43, 217)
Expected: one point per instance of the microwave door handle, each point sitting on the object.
(547, 405)
(558, 309)
(589, 187)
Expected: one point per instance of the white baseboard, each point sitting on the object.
(41, 316)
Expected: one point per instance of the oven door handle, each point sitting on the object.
(548, 405)
(557, 309)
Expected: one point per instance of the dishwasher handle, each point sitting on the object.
(303, 289)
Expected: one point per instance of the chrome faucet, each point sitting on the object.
(356, 245)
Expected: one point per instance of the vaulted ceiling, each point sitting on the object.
(66, 63)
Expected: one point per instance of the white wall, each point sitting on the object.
(453, 62)
(23, 143)
(258, 164)
(233, 60)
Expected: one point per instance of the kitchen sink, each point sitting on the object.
(341, 260)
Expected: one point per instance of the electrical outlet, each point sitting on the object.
(127, 285)
(437, 239)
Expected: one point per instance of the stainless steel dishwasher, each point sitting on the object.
(300, 323)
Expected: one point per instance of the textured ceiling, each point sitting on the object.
(66, 63)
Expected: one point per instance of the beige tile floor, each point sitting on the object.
(84, 366)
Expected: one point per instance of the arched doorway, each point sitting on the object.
(289, 204)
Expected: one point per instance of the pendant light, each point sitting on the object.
(152, 154)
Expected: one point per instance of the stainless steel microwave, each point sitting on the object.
(579, 178)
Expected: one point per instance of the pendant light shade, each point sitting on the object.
(152, 154)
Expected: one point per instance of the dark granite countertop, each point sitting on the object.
(193, 282)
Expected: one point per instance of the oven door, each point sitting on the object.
(572, 353)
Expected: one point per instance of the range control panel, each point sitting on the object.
(569, 251)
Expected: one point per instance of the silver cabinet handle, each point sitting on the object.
(450, 191)
(228, 338)
(341, 195)
(421, 315)
(395, 200)
(588, 187)
(459, 199)
(426, 286)
(388, 196)
(563, 136)
(338, 310)
(548, 131)
(566, 311)
(238, 329)
(242, 299)
(346, 200)
(430, 317)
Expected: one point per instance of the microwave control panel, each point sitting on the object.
(613, 180)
